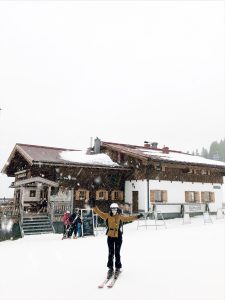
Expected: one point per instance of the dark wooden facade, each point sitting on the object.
(146, 168)
(104, 183)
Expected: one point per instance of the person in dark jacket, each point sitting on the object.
(75, 224)
(78, 222)
(114, 220)
(43, 205)
(72, 224)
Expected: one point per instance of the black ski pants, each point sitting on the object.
(114, 245)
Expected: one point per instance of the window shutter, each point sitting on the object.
(202, 197)
(77, 194)
(97, 195)
(113, 195)
(186, 196)
(197, 197)
(121, 196)
(87, 195)
(106, 195)
(164, 196)
(152, 196)
(212, 196)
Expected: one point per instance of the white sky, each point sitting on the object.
(124, 71)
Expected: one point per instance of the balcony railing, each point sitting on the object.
(57, 209)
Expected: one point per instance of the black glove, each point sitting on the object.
(92, 202)
(140, 216)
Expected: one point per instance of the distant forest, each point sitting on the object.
(216, 151)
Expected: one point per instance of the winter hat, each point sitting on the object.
(68, 212)
(114, 205)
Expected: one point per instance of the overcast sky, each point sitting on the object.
(124, 71)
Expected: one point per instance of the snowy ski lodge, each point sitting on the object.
(139, 176)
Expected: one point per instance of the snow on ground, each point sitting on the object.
(182, 262)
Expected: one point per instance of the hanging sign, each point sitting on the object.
(195, 207)
(87, 222)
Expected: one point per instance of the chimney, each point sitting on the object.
(90, 149)
(97, 145)
(146, 144)
(165, 150)
(91, 142)
(154, 145)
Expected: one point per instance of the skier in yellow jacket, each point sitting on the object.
(114, 220)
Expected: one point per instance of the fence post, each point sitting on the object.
(52, 211)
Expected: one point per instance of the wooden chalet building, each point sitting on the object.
(164, 176)
(43, 173)
(111, 172)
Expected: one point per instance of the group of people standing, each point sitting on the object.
(72, 224)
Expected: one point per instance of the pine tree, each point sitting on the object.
(222, 150)
(197, 153)
(204, 153)
(216, 151)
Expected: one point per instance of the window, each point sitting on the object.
(117, 195)
(158, 196)
(207, 197)
(158, 167)
(101, 195)
(82, 194)
(192, 196)
(32, 193)
(204, 172)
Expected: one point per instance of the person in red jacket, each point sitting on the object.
(66, 223)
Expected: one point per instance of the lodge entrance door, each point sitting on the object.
(44, 194)
(134, 201)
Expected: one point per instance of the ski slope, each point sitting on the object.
(182, 262)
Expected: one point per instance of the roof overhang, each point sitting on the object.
(35, 180)
(22, 152)
(157, 159)
(79, 165)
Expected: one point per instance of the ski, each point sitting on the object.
(113, 281)
(104, 282)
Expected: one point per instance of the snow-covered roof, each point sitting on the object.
(182, 157)
(158, 154)
(92, 159)
(35, 154)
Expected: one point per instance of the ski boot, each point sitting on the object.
(117, 272)
(110, 273)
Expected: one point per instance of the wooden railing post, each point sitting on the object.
(52, 206)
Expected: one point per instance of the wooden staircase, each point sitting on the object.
(37, 224)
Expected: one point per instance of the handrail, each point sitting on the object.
(21, 213)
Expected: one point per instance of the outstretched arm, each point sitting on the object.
(101, 214)
(130, 218)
